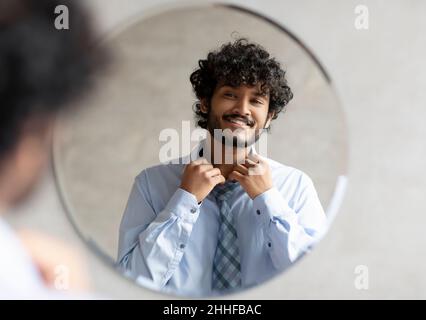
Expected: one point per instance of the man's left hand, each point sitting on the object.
(254, 175)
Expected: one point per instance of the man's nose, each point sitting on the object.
(242, 107)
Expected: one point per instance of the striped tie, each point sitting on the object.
(226, 263)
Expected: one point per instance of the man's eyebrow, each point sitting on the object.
(256, 93)
(261, 94)
(227, 86)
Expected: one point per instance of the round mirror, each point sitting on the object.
(103, 152)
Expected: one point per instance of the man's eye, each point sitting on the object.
(229, 95)
(257, 101)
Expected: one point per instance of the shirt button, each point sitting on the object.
(182, 246)
(269, 244)
(258, 211)
(193, 210)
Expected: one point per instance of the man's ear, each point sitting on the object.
(203, 106)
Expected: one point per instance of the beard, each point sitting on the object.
(239, 138)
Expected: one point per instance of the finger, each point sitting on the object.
(250, 163)
(256, 171)
(213, 172)
(218, 179)
(200, 161)
(241, 169)
(205, 167)
(235, 175)
(201, 165)
(255, 158)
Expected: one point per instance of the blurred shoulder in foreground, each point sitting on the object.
(43, 71)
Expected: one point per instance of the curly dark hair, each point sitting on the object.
(41, 68)
(235, 64)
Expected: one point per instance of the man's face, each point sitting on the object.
(242, 110)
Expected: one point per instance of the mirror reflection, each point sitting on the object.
(210, 159)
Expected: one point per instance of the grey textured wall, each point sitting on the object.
(379, 77)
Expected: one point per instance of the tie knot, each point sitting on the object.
(222, 192)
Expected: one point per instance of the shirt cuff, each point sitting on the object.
(184, 205)
(271, 204)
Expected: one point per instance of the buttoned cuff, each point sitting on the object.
(271, 204)
(184, 205)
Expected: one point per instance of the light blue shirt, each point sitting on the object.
(168, 241)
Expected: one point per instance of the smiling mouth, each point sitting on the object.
(238, 121)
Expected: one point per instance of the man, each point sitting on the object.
(214, 227)
(42, 70)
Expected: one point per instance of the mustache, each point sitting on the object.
(246, 120)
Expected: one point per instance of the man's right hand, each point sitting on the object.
(200, 177)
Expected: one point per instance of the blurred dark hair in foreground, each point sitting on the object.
(42, 69)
